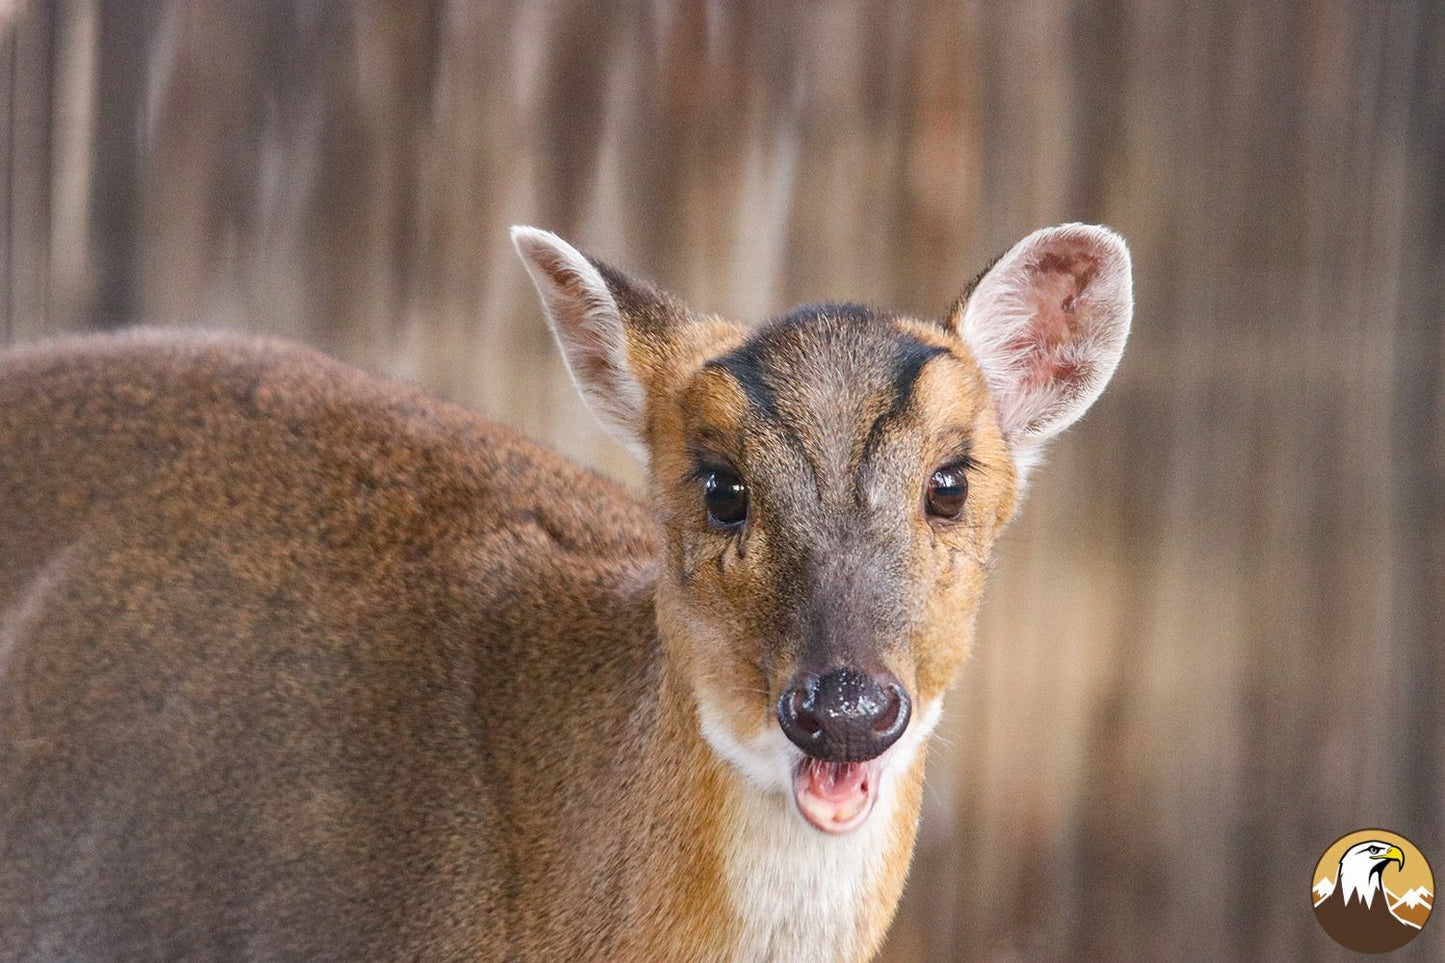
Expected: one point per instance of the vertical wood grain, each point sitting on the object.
(1214, 640)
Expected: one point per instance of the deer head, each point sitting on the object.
(831, 483)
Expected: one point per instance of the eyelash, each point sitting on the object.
(702, 469)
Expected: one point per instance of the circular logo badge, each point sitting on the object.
(1373, 891)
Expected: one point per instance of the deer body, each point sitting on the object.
(298, 664)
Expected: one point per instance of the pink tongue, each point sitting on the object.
(835, 782)
(836, 797)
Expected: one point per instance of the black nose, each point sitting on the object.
(843, 715)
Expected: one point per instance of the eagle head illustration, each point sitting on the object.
(1357, 913)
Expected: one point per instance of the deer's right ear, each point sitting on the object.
(609, 327)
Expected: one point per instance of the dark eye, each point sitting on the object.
(947, 491)
(726, 498)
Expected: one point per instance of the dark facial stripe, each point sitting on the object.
(908, 364)
(742, 364)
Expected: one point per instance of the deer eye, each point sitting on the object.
(947, 491)
(726, 498)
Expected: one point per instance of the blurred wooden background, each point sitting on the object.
(1214, 641)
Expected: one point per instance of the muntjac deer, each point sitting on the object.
(297, 664)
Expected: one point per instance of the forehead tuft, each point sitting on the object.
(827, 357)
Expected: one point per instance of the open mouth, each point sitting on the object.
(836, 797)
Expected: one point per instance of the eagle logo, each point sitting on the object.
(1373, 891)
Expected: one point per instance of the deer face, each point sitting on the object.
(831, 484)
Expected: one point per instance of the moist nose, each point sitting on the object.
(844, 715)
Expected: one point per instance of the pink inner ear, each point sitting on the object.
(1048, 348)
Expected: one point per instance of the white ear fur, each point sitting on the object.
(1047, 323)
(587, 323)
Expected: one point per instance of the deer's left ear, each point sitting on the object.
(1047, 323)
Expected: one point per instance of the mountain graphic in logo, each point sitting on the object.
(1373, 891)
(1414, 907)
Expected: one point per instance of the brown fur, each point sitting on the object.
(276, 633)
(296, 663)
